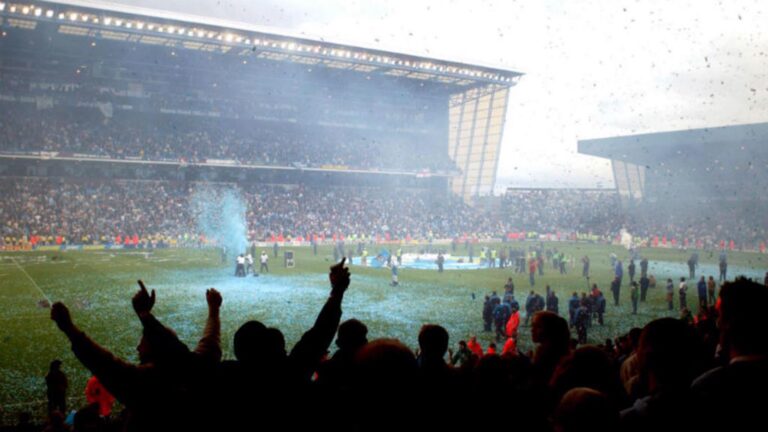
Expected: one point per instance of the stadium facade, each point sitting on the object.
(364, 116)
(689, 171)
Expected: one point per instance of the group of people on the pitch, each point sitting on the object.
(244, 264)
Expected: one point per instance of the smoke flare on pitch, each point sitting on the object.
(220, 216)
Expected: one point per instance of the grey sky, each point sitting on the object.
(594, 68)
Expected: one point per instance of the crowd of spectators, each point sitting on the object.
(563, 210)
(168, 137)
(672, 374)
(97, 211)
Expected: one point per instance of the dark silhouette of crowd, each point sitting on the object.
(670, 375)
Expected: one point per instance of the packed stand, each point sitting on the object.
(562, 210)
(76, 211)
(167, 137)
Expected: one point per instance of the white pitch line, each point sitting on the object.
(30, 279)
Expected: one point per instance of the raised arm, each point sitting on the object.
(163, 342)
(119, 377)
(209, 346)
(308, 352)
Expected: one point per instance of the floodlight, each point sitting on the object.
(73, 16)
(25, 10)
(38, 12)
(49, 14)
(140, 25)
(2, 7)
(108, 21)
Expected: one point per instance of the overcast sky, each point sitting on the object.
(594, 68)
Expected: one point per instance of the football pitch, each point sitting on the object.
(98, 286)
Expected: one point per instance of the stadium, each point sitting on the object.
(194, 153)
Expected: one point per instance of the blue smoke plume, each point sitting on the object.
(220, 215)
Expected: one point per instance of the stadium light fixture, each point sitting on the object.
(171, 29)
(140, 25)
(150, 26)
(73, 16)
(49, 13)
(2, 7)
(13, 9)
(61, 16)
(228, 38)
(129, 25)
(239, 39)
(25, 10)
(108, 21)
(211, 35)
(247, 41)
(119, 23)
(38, 12)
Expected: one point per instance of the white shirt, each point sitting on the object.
(264, 258)
(240, 260)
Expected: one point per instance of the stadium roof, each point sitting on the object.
(665, 146)
(173, 30)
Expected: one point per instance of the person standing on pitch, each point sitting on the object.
(615, 289)
(248, 264)
(440, 262)
(682, 290)
(711, 286)
(264, 259)
(701, 290)
(240, 266)
(394, 282)
(723, 266)
(56, 384)
(670, 295)
(635, 296)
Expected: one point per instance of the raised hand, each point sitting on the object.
(143, 301)
(339, 277)
(213, 297)
(60, 315)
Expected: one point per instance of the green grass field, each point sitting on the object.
(97, 286)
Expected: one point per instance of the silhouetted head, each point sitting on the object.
(668, 354)
(433, 341)
(742, 324)
(550, 329)
(248, 341)
(584, 409)
(55, 365)
(352, 335)
(587, 366)
(385, 365)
